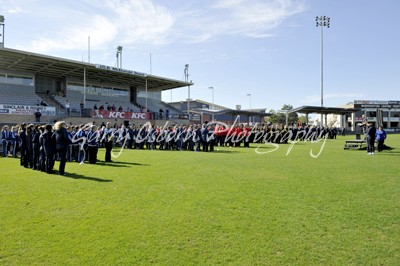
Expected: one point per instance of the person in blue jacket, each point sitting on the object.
(380, 137)
(5, 139)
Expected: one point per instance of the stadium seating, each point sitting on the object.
(18, 95)
(154, 106)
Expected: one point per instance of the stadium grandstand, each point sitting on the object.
(31, 81)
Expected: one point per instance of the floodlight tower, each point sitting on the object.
(2, 31)
(119, 56)
(186, 74)
(322, 21)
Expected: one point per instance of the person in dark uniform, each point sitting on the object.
(370, 138)
(62, 141)
(29, 146)
(197, 138)
(35, 148)
(108, 141)
(48, 146)
(82, 106)
(210, 137)
(42, 154)
(23, 145)
(204, 138)
(38, 114)
(92, 138)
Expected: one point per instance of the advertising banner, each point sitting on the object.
(10, 109)
(121, 115)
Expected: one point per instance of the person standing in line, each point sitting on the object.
(42, 153)
(14, 141)
(35, 148)
(380, 137)
(60, 137)
(29, 145)
(370, 138)
(108, 141)
(5, 137)
(48, 146)
(204, 137)
(23, 145)
(92, 138)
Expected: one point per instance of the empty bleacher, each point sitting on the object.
(154, 106)
(18, 95)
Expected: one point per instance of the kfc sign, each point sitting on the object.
(121, 115)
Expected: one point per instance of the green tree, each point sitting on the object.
(279, 117)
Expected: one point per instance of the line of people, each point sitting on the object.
(84, 140)
(39, 146)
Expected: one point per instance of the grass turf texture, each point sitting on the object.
(233, 206)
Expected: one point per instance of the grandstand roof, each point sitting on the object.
(322, 110)
(55, 67)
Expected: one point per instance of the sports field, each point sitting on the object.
(233, 206)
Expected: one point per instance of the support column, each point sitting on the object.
(353, 121)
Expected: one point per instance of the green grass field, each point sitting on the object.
(233, 206)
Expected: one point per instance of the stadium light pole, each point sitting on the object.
(212, 90)
(2, 31)
(186, 74)
(145, 86)
(119, 56)
(322, 21)
(249, 94)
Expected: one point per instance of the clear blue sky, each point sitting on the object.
(267, 48)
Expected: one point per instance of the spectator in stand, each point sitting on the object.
(82, 105)
(120, 109)
(167, 114)
(5, 138)
(60, 137)
(67, 107)
(37, 114)
(160, 113)
(380, 137)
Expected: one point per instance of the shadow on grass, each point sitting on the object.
(224, 151)
(77, 176)
(389, 152)
(119, 164)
